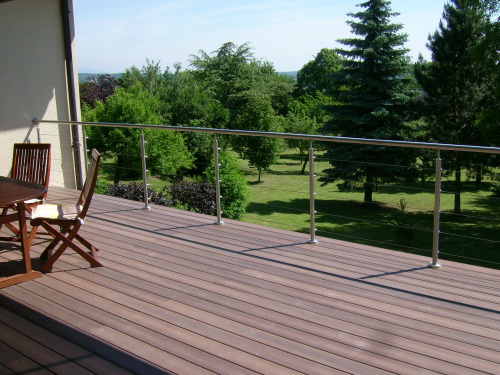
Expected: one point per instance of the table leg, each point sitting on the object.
(28, 274)
(23, 231)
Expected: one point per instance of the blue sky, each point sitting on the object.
(112, 35)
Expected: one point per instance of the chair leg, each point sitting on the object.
(47, 253)
(88, 245)
(4, 212)
(66, 242)
(12, 228)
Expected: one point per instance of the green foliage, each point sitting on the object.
(374, 89)
(166, 150)
(459, 84)
(495, 189)
(231, 73)
(234, 188)
(318, 74)
(404, 226)
(149, 77)
(298, 122)
(258, 114)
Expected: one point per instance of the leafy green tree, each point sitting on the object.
(167, 153)
(373, 89)
(149, 76)
(190, 104)
(231, 73)
(258, 114)
(298, 122)
(251, 92)
(221, 70)
(318, 74)
(459, 82)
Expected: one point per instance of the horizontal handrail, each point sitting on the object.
(309, 137)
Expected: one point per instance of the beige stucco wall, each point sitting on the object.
(33, 84)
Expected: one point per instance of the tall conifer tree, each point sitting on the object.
(374, 88)
(459, 83)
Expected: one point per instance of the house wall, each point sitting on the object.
(33, 84)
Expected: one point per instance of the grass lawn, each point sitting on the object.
(281, 200)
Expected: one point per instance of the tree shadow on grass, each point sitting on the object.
(377, 225)
(468, 187)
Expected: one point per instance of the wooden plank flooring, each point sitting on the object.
(181, 295)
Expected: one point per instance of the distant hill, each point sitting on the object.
(82, 77)
(290, 74)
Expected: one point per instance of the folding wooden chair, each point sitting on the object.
(30, 163)
(69, 218)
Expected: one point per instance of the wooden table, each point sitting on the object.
(16, 192)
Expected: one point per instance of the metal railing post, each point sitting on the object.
(144, 172)
(85, 147)
(437, 214)
(217, 182)
(38, 132)
(312, 194)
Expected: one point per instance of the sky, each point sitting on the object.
(113, 35)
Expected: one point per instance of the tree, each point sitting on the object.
(297, 121)
(314, 80)
(459, 82)
(252, 93)
(231, 73)
(149, 76)
(190, 104)
(258, 114)
(167, 153)
(97, 89)
(318, 74)
(223, 69)
(373, 89)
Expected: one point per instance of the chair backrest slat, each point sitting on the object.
(90, 182)
(31, 163)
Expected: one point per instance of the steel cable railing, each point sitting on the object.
(436, 210)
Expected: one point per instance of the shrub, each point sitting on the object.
(495, 189)
(234, 188)
(403, 222)
(198, 196)
(135, 191)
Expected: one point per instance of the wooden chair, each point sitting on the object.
(69, 218)
(30, 163)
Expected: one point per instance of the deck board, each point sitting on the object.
(179, 294)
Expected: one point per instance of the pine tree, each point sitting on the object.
(459, 81)
(374, 88)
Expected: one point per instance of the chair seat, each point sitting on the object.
(69, 218)
(56, 212)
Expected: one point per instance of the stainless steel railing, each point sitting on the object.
(311, 138)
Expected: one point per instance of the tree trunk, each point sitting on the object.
(118, 169)
(368, 187)
(479, 175)
(304, 166)
(458, 189)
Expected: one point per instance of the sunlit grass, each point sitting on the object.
(281, 200)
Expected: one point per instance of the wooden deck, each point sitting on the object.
(181, 295)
